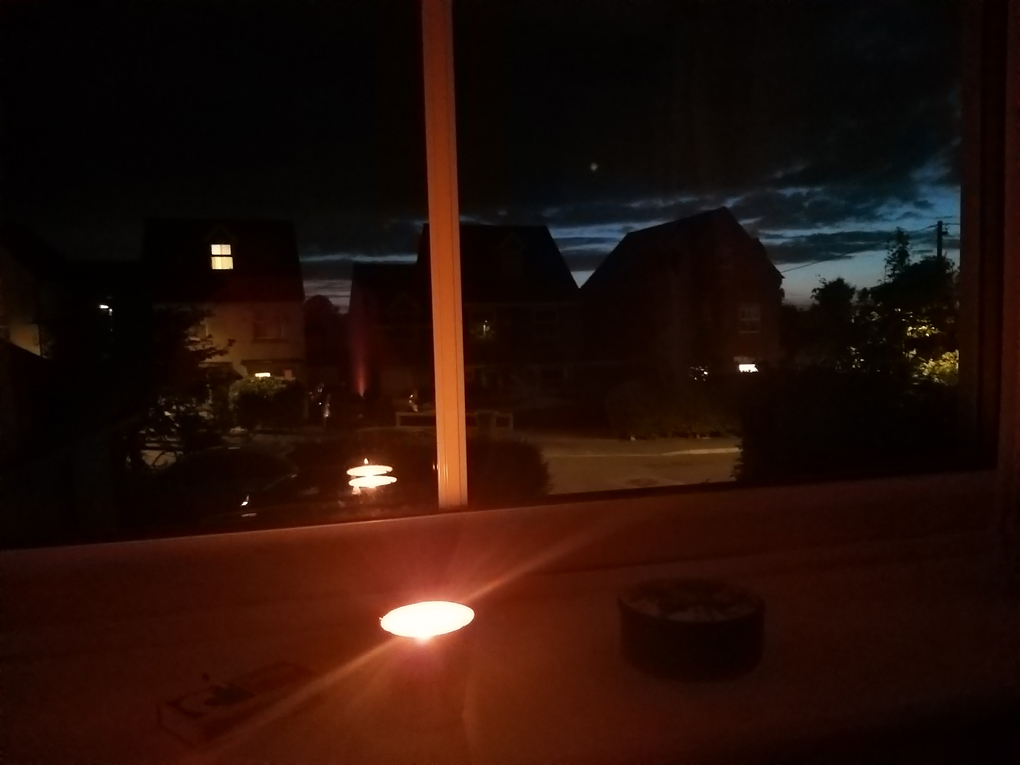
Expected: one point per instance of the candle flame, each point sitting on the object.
(427, 619)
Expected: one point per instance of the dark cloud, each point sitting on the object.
(831, 246)
(594, 117)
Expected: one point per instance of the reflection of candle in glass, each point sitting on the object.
(371, 481)
(427, 619)
(370, 476)
(366, 469)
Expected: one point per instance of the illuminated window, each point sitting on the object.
(221, 258)
(263, 374)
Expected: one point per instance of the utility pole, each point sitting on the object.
(939, 229)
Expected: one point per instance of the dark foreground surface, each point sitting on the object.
(972, 737)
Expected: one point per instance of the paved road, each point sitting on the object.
(583, 464)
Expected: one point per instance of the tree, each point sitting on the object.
(832, 328)
(911, 315)
(898, 257)
(182, 404)
(326, 344)
(904, 326)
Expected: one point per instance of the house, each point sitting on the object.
(31, 297)
(246, 275)
(31, 277)
(520, 327)
(685, 297)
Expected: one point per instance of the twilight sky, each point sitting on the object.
(823, 124)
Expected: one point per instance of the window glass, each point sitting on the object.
(720, 241)
(254, 275)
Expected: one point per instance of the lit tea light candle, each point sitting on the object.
(427, 619)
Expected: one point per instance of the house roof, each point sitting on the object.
(388, 281)
(176, 254)
(508, 264)
(697, 236)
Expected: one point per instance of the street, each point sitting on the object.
(584, 464)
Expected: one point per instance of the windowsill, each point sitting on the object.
(857, 576)
(858, 637)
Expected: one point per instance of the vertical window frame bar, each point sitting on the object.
(444, 243)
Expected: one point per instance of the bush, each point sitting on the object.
(642, 409)
(500, 471)
(505, 472)
(820, 423)
(267, 402)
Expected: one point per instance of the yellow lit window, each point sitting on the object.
(221, 259)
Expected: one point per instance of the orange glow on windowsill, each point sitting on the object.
(427, 619)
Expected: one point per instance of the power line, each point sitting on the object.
(846, 255)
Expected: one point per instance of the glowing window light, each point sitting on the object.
(220, 263)
(427, 619)
(263, 374)
(747, 367)
(219, 249)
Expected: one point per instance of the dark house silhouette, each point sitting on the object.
(520, 328)
(694, 294)
(246, 275)
(32, 292)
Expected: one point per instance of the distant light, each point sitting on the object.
(104, 307)
(221, 263)
(427, 619)
(747, 367)
(219, 249)
(594, 166)
(243, 504)
(371, 481)
(263, 374)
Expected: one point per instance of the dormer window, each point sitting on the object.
(221, 258)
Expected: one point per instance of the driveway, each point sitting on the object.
(583, 464)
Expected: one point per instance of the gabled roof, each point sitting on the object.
(508, 264)
(388, 281)
(697, 236)
(176, 255)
